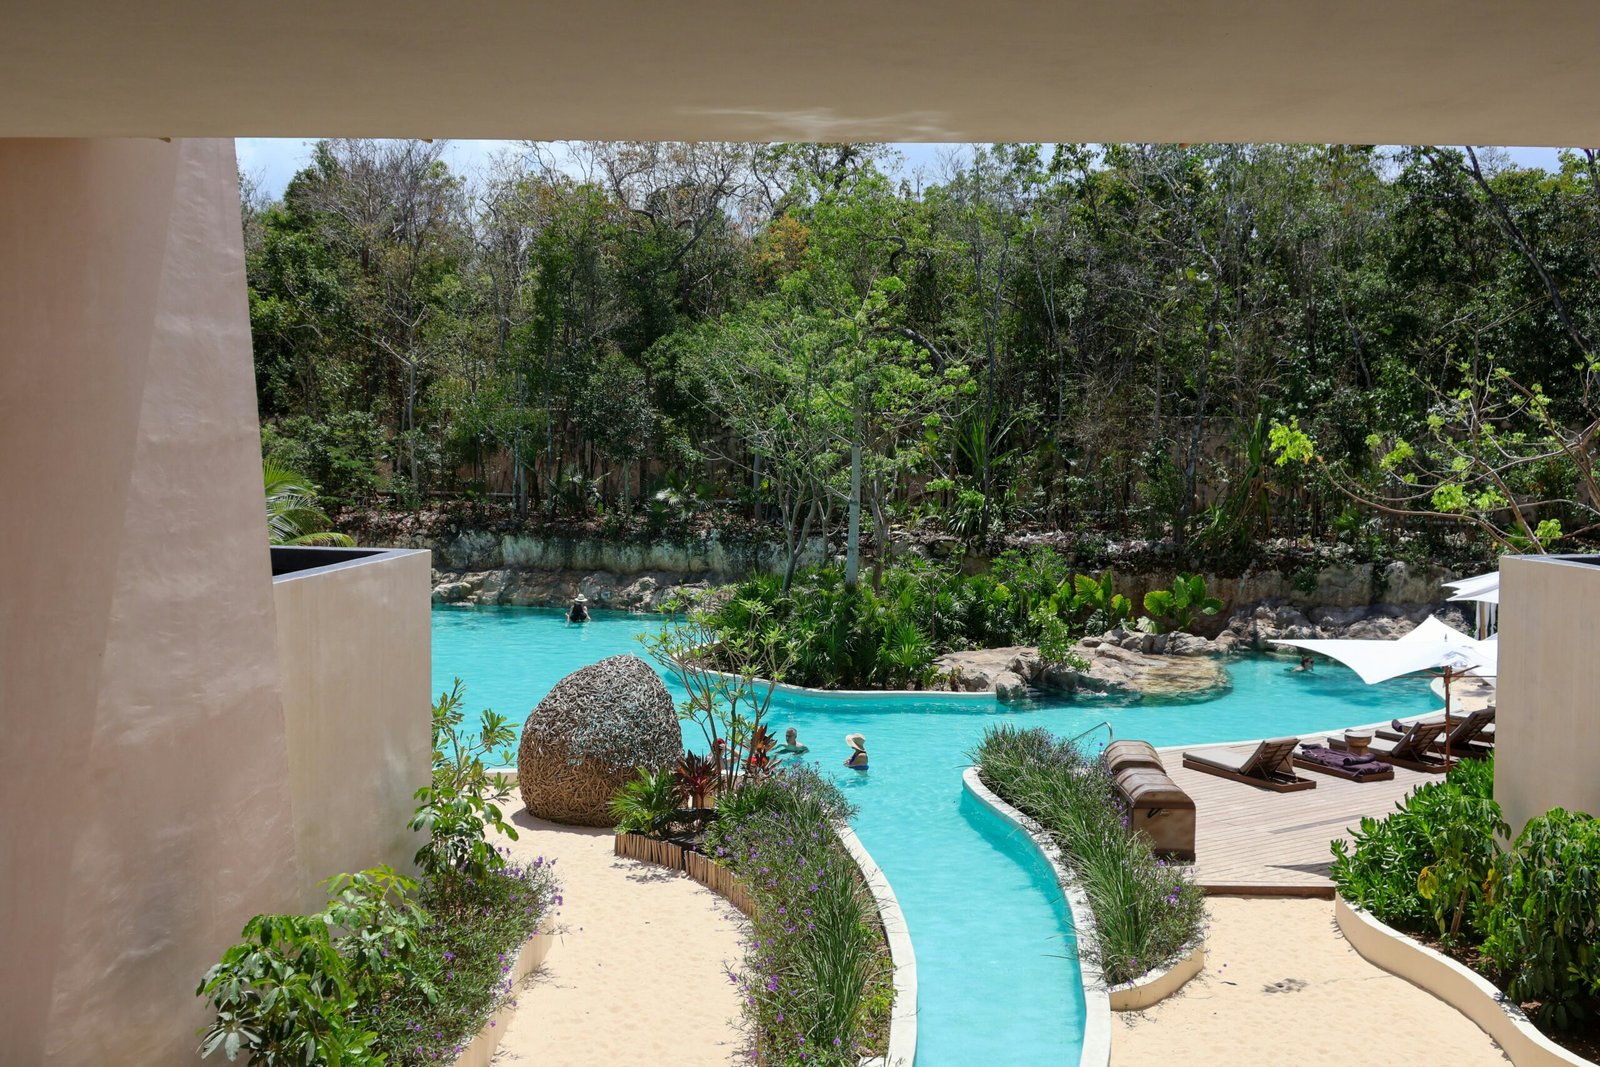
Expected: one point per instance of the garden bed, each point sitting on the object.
(1139, 920)
(828, 958)
(481, 1049)
(1457, 985)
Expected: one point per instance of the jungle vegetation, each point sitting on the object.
(1201, 345)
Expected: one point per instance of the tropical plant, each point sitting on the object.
(650, 803)
(1098, 604)
(728, 677)
(380, 926)
(1174, 609)
(1543, 925)
(697, 777)
(283, 998)
(462, 803)
(293, 517)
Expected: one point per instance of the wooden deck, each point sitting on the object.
(1254, 842)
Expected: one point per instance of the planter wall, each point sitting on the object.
(480, 1050)
(1457, 985)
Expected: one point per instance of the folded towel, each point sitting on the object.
(1329, 757)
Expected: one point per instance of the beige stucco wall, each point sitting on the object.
(1547, 727)
(143, 773)
(353, 648)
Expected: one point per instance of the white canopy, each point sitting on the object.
(1430, 646)
(1483, 588)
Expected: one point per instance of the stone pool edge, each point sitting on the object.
(902, 1050)
(1096, 1050)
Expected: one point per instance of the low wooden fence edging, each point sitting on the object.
(1096, 997)
(1454, 983)
(703, 869)
(481, 1049)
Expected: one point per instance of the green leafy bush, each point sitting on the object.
(1146, 913)
(832, 637)
(649, 804)
(462, 802)
(1543, 930)
(1175, 609)
(390, 971)
(1452, 823)
(1532, 911)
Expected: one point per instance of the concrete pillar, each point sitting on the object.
(1547, 722)
(143, 777)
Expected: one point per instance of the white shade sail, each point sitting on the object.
(1483, 588)
(1431, 646)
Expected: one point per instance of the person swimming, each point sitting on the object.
(791, 747)
(1305, 666)
(858, 752)
(579, 612)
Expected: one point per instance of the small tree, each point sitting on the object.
(730, 678)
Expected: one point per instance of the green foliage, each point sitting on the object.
(389, 971)
(1175, 609)
(293, 517)
(283, 997)
(462, 803)
(1146, 913)
(1543, 930)
(1533, 910)
(816, 980)
(649, 804)
(832, 637)
(1452, 822)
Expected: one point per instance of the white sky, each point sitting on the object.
(273, 161)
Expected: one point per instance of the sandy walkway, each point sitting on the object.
(638, 977)
(1282, 986)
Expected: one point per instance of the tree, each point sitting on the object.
(293, 517)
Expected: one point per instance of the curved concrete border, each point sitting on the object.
(1096, 997)
(1156, 986)
(480, 1050)
(1463, 989)
(902, 1051)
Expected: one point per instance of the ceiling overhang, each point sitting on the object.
(1369, 71)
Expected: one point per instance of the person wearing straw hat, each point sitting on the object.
(579, 612)
(858, 752)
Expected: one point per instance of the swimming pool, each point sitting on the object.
(988, 925)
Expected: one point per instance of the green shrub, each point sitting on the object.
(1175, 609)
(649, 804)
(815, 980)
(1441, 838)
(1544, 925)
(462, 802)
(832, 637)
(1146, 913)
(391, 971)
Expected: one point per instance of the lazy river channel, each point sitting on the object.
(992, 935)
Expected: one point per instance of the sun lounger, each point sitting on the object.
(1343, 764)
(1413, 749)
(1471, 734)
(1121, 755)
(1267, 766)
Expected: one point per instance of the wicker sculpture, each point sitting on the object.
(592, 733)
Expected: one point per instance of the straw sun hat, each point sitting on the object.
(856, 741)
(580, 599)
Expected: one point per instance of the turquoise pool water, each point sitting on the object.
(988, 925)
